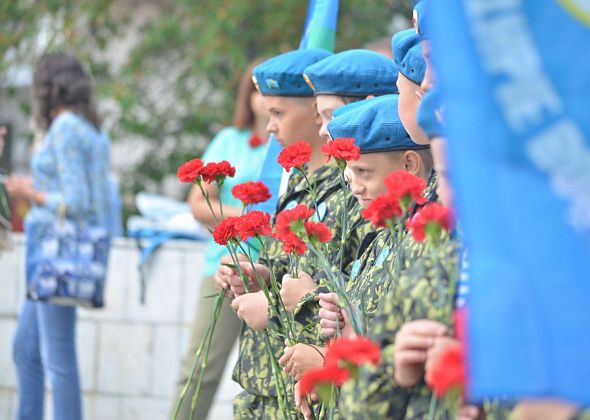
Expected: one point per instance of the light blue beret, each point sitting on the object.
(374, 124)
(429, 115)
(353, 73)
(283, 75)
(407, 53)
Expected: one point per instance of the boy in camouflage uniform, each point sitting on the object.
(371, 274)
(332, 200)
(425, 296)
(293, 117)
(380, 267)
(343, 78)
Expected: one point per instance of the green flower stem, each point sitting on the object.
(338, 287)
(322, 410)
(312, 191)
(344, 222)
(432, 408)
(278, 376)
(332, 405)
(286, 315)
(234, 256)
(205, 344)
(208, 340)
(276, 371)
(200, 184)
(283, 314)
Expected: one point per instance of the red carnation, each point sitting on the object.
(342, 149)
(430, 221)
(317, 232)
(292, 243)
(255, 141)
(190, 171)
(254, 223)
(226, 230)
(406, 187)
(217, 172)
(290, 228)
(448, 372)
(297, 215)
(251, 192)
(382, 211)
(295, 155)
(326, 375)
(356, 351)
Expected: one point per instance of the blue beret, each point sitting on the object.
(374, 124)
(421, 15)
(283, 75)
(407, 53)
(429, 116)
(353, 73)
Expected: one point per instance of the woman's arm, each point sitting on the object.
(201, 210)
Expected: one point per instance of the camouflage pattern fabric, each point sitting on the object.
(253, 370)
(424, 290)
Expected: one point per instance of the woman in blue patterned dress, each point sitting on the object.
(69, 171)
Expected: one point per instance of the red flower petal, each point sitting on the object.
(402, 185)
(214, 171)
(190, 171)
(430, 213)
(226, 230)
(254, 223)
(295, 155)
(382, 209)
(448, 371)
(357, 351)
(341, 148)
(324, 375)
(251, 192)
(318, 231)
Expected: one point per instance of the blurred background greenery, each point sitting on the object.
(166, 71)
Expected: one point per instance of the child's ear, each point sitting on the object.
(412, 162)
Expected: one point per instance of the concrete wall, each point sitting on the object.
(129, 354)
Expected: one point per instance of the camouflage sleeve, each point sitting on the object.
(423, 291)
(279, 264)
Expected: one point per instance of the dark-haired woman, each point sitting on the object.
(243, 146)
(69, 172)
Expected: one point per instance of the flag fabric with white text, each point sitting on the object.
(516, 80)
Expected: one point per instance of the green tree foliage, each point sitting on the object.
(176, 86)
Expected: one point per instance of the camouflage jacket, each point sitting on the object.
(253, 370)
(371, 272)
(306, 314)
(381, 258)
(424, 290)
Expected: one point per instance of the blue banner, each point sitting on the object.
(516, 80)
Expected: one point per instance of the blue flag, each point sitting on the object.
(320, 25)
(319, 32)
(516, 80)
